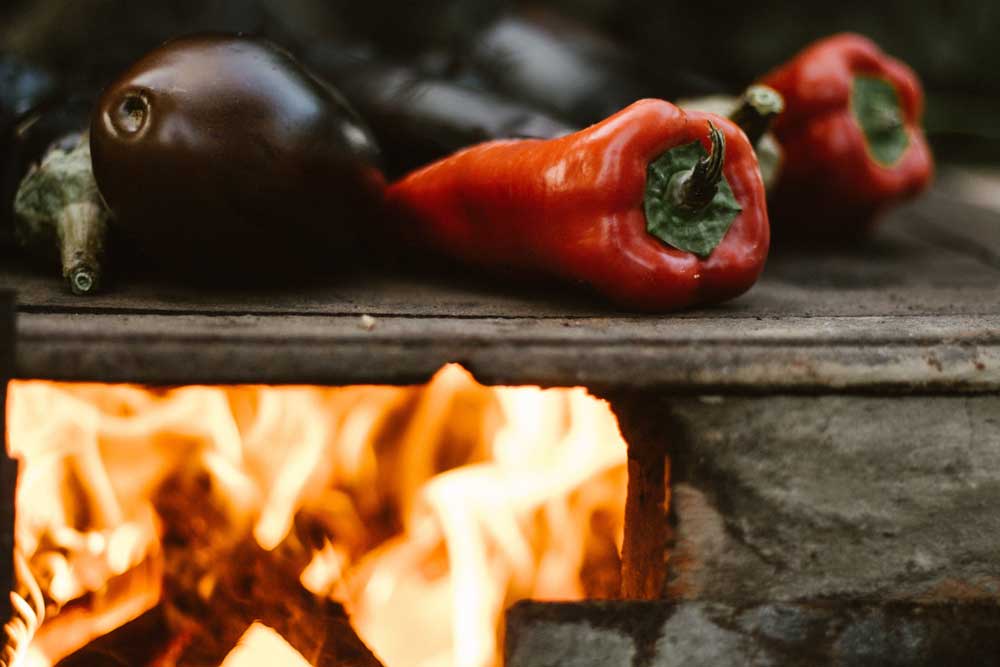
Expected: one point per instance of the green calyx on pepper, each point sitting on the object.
(688, 203)
(875, 104)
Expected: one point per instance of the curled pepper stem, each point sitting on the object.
(758, 108)
(694, 189)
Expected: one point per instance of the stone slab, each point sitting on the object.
(840, 497)
(704, 634)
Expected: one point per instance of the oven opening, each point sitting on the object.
(260, 525)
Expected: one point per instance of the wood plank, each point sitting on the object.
(794, 354)
(945, 221)
(905, 312)
(897, 272)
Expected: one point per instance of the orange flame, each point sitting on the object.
(442, 505)
(261, 645)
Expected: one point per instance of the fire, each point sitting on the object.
(263, 646)
(425, 511)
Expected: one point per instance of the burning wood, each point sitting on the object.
(28, 613)
(263, 646)
(425, 511)
(219, 580)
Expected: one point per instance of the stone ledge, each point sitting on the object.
(695, 634)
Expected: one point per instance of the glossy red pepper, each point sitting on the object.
(852, 137)
(595, 207)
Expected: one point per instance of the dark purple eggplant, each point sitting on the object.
(60, 215)
(223, 159)
(25, 93)
(51, 206)
(92, 41)
(23, 88)
(89, 42)
(406, 28)
(419, 117)
(557, 64)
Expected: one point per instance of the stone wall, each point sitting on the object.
(835, 497)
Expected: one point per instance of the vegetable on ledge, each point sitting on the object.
(555, 62)
(419, 117)
(59, 213)
(851, 135)
(754, 111)
(50, 209)
(25, 91)
(655, 208)
(223, 159)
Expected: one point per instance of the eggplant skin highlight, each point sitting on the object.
(222, 158)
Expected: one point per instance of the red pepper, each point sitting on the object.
(851, 135)
(654, 207)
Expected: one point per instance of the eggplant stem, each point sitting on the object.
(58, 204)
(82, 281)
(758, 108)
(82, 228)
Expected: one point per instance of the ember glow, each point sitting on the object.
(424, 511)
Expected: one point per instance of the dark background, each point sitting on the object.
(952, 45)
(8, 467)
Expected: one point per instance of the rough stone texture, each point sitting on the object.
(842, 497)
(551, 644)
(915, 309)
(8, 467)
(696, 634)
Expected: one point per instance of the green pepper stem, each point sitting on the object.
(694, 189)
(886, 119)
(758, 108)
